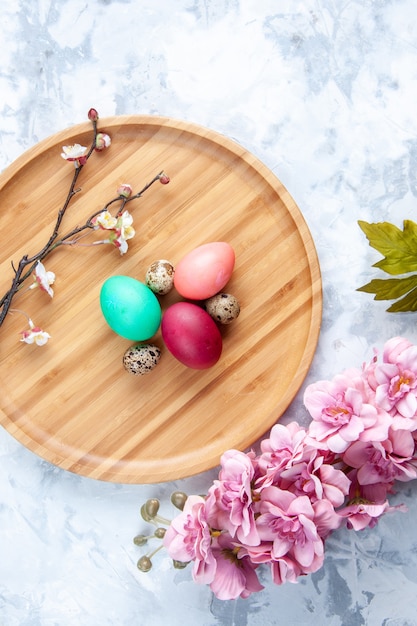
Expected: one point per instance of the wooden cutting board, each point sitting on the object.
(71, 401)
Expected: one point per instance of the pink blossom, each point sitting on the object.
(120, 229)
(285, 447)
(288, 521)
(125, 231)
(397, 390)
(235, 574)
(43, 279)
(75, 153)
(279, 507)
(229, 500)
(218, 559)
(316, 479)
(285, 570)
(394, 382)
(331, 483)
(374, 493)
(35, 334)
(326, 518)
(393, 348)
(367, 503)
(292, 461)
(188, 538)
(341, 412)
(383, 462)
(105, 220)
(361, 515)
(261, 553)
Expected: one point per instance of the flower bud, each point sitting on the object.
(160, 533)
(93, 115)
(164, 179)
(149, 509)
(144, 514)
(144, 564)
(179, 564)
(152, 507)
(178, 499)
(140, 540)
(102, 141)
(124, 190)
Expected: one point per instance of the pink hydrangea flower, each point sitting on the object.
(218, 560)
(316, 479)
(383, 462)
(285, 570)
(394, 347)
(326, 518)
(235, 574)
(367, 503)
(229, 500)
(362, 515)
(279, 507)
(288, 522)
(394, 382)
(188, 538)
(341, 412)
(285, 447)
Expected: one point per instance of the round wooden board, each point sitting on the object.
(71, 401)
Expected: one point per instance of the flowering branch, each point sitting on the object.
(119, 227)
(278, 507)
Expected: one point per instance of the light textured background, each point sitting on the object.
(324, 92)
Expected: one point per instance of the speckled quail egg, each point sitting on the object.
(160, 277)
(223, 308)
(141, 358)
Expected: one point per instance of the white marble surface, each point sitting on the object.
(324, 92)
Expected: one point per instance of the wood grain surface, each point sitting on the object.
(71, 401)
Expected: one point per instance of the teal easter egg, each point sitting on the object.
(130, 308)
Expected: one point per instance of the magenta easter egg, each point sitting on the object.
(204, 271)
(191, 335)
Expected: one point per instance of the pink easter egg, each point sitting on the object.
(204, 271)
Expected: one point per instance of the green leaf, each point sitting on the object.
(390, 288)
(409, 303)
(399, 247)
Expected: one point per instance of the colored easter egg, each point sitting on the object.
(130, 308)
(191, 335)
(204, 271)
